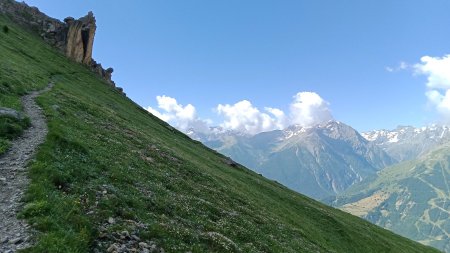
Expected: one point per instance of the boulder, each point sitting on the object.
(228, 161)
(11, 113)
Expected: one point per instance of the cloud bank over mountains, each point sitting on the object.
(244, 117)
(181, 117)
(306, 109)
(437, 70)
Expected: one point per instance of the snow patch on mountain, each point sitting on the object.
(392, 137)
(407, 142)
(402, 133)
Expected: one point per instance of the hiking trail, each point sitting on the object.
(14, 233)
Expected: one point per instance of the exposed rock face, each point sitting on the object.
(87, 34)
(73, 37)
(74, 44)
(80, 38)
(29, 16)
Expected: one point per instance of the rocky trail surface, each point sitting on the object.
(14, 233)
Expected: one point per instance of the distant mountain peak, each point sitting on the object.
(328, 128)
(319, 160)
(408, 142)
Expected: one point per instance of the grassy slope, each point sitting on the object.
(417, 201)
(14, 81)
(106, 157)
(11, 128)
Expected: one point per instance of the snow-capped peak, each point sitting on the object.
(402, 133)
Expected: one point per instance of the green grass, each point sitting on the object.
(11, 128)
(418, 196)
(106, 157)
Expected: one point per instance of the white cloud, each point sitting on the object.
(401, 66)
(306, 109)
(182, 117)
(309, 108)
(280, 117)
(244, 117)
(437, 70)
(441, 101)
(162, 116)
(390, 69)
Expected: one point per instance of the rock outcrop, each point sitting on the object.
(80, 38)
(11, 113)
(73, 37)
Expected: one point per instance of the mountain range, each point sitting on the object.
(407, 142)
(319, 161)
(411, 198)
(398, 179)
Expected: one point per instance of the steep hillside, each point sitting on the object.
(112, 176)
(318, 161)
(411, 198)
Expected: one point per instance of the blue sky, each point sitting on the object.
(207, 53)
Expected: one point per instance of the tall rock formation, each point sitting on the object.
(73, 37)
(80, 38)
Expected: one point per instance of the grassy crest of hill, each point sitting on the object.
(107, 165)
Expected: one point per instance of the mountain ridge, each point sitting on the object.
(314, 152)
(407, 142)
(411, 198)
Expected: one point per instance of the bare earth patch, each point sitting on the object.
(364, 206)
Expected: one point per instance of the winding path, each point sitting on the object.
(14, 233)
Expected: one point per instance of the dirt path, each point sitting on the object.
(14, 233)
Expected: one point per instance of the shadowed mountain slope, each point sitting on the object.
(318, 161)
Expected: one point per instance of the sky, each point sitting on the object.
(259, 65)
